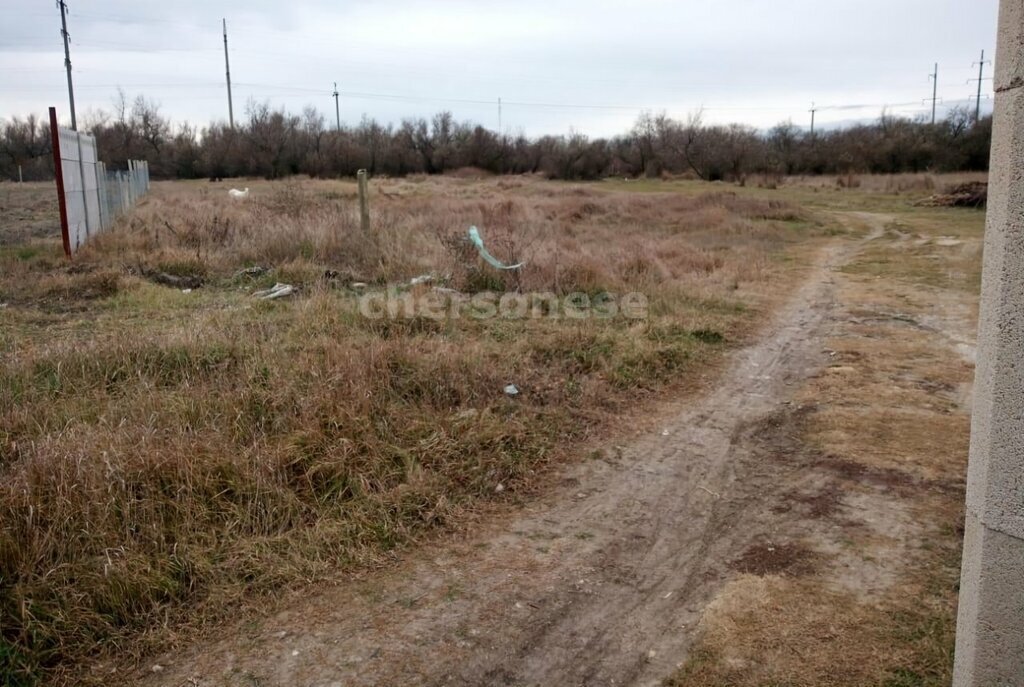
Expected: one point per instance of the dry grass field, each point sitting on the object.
(174, 451)
(178, 457)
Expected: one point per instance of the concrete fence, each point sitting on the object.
(90, 197)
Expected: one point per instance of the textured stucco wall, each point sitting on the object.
(990, 627)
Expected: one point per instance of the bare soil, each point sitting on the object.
(603, 581)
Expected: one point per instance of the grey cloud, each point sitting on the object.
(755, 61)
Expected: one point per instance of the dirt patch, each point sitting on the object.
(823, 503)
(776, 559)
(885, 478)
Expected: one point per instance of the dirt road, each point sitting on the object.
(600, 583)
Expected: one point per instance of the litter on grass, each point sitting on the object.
(279, 291)
(474, 237)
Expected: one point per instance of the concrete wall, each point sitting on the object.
(990, 626)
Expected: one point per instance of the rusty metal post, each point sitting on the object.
(58, 171)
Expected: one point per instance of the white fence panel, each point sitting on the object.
(74, 188)
(90, 181)
(94, 197)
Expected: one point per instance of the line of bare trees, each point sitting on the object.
(274, 143)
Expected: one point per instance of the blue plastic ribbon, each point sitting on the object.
(474, 236)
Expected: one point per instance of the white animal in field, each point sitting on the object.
(235, 193)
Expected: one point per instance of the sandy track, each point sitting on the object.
(600, 583)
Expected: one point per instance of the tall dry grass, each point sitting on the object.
(167, 457)
(922, 183)
(558, 232)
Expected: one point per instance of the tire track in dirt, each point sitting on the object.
(600, 583)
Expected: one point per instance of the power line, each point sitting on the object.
(361, 95)
(138, 19)
(299, 91)
(514, 103)
(128, 47)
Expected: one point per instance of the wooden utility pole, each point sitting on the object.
(364, 201)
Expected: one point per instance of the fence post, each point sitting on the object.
(58, 170)
(364, 201)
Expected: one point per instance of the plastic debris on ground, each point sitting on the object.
(476, 240)
(279, 291)
(511, 390)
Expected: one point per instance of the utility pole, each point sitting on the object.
(227, 71)
(499, 116)
(814, 110)
(935, 90)
(981, 79)
(67, 58)
(337, 108)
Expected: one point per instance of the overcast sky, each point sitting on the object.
(588, 65)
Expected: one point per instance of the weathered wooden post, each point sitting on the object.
(364, 201)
